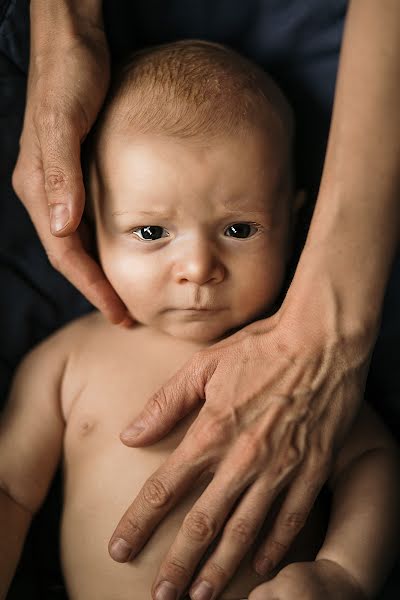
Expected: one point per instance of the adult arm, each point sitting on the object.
(31, 433)
(68, 79)
(363, 536)
(280, 395)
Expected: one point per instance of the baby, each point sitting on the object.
(191, 191)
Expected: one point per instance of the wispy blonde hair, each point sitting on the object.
(193, 88)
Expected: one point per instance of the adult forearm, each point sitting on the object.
(14, 524)
(355, 228)
(63, 18)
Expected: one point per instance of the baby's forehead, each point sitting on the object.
(136, 151)
(230, 172)
(271, 128)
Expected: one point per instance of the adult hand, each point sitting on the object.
(68, 79)
(279, 397)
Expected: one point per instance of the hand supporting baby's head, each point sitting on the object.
(190, 178)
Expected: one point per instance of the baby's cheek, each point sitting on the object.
(262, 286)
(134, 282)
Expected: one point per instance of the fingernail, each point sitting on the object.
(120, 550)
(166, 591)
(127, 322)
(202, 591)
(133, 431)
(263, 566)
(59, 217)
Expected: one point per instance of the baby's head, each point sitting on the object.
(190, 179)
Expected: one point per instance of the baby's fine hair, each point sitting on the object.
(192, 89)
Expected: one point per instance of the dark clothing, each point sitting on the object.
(298, 43)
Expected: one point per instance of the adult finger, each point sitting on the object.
(173, 401)
(158, 496)
(60, 147)
(207, 517)
(201, 526)
(292, 516)
(69, 257)
(238, 535)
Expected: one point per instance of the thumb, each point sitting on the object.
(173, 401)
(63, 182)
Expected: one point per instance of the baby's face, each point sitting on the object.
(193, 237)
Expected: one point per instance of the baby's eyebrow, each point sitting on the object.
(146, 213)
(168, 214)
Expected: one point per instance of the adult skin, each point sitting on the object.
(61, 106)
(280, 394)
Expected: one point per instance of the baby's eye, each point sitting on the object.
(241, 230)
(149, 232)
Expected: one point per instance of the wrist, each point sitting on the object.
(328, 295)
(347, 258)
(63, 21)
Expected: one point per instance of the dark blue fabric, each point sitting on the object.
(298, 42)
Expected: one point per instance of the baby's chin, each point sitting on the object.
(200, 333)
(199, 330)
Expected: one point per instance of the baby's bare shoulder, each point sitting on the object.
(57, 349)
(92, 341)
(95, 334)
(80, 332)
(82, 326)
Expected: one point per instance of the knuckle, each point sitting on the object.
(251, 448)
(158, 403)
(212, 432)
(155, 494)
(199, 439)
(55, 179)
(198, 526)
(241, 531)
(176, 569)
(217, 571)
(294, 521)
(131, 526)
(277, 549)
(219, 428)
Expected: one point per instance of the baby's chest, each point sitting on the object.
(107, 403)
(103, 407)
(112, 380)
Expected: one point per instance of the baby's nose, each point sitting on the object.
(200, 264)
